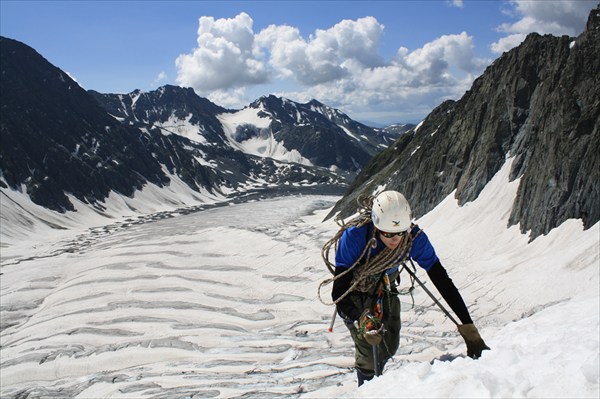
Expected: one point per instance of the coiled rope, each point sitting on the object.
(367, 276)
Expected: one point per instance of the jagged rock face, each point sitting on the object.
(558, 153)
(316, 129)
(56, 139)
(538, 103)
(168, 102)
(315, 132)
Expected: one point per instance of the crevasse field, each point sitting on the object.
(147, 298)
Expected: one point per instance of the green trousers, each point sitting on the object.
(363, 354)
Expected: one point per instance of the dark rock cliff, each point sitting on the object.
(538, 103)
(57, 139)
(145, 109)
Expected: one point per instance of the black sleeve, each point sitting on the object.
(439, 277)
(345, 307)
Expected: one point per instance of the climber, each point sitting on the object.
(371, 251)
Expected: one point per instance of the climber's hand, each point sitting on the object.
(371, 328)
(475, 344)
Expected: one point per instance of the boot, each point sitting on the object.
(362, 377)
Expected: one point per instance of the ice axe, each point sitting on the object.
(374, 337)
(376, 360)
(443, 309)
(332, 320)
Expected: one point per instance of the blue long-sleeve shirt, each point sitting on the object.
(351, 246)
(354, 239)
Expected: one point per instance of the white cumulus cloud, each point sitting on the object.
(224, 57)
(456, 3)
(325, 56)
(341, 65)
(408, 86)
(161, 77)
(556, 17)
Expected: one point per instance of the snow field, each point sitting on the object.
(223, 303)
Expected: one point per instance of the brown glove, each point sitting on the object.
(475, 344)
(373, 337)
(371, 328)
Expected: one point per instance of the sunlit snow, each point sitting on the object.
(182, 127)
(262, 146)
(222, 302)
(349, 133)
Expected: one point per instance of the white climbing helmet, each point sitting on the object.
(391, 213)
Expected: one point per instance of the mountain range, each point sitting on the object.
(60, 140)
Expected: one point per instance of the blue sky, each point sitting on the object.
(380, 61)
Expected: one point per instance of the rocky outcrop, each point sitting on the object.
(56, 139)
(147, 109)
(538, 103)
(316, 132)
(558, 149)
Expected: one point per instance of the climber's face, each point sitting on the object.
(392, 240)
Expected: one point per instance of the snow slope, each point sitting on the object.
(536, 305)
(223, 303)
(263, 145)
